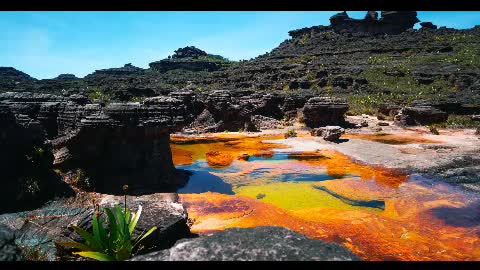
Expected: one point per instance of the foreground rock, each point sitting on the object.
(9, 251)
(38, 230)
(329, 133)
(258, 244)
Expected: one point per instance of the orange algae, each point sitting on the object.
(232, 145)
(219, 160)
(411, 224)
(339, 165)
(389, 138)
(415, 235)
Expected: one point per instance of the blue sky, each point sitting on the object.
(46, 44)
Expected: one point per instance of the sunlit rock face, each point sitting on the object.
(378, 214)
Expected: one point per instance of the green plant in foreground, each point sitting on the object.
(114, 243)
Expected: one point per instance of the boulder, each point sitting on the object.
(258, 244)
(420, 115)
(323, 111)
(328, 133)
(387, 111)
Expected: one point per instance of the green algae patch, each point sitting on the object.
(298, 196)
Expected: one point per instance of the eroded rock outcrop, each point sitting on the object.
(26, 161)
(114, 144)
(420, 114)
(324, 111)
(258, 244)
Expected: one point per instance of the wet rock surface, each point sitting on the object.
(40, 229)
(258, 244)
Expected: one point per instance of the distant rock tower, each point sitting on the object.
(391, 22)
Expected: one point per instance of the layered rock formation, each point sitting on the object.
(321, 111)
(114, 144)
(258, 244)
(391, 22)
(362, 64)
(188, 58)
(26, 159)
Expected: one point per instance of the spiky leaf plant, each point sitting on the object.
(114, 243)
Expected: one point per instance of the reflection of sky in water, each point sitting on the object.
(208, 179)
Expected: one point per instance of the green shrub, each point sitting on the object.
(99, 95)
(433, 129)
(290, 133)
(459, 121)
(381, 134)
(137, 99)
(112, 243)
(379, 59)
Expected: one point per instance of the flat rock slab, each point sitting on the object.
(258, 244)
(38, 230)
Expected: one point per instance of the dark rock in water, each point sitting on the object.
(40, 229)
(383, 124)
(323, 111)
(328, 133)
(9, 251)
(258, 244)
(420, 115)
